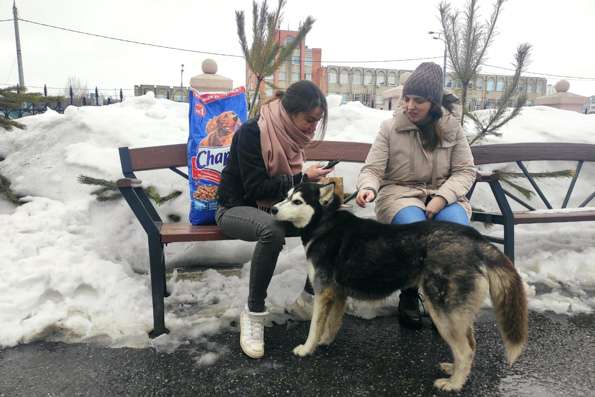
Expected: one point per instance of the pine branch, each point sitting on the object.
(109, 190)
(7, 192)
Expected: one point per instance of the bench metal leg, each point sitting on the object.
(509, 240)
(158, 288)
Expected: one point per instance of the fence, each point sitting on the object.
(91, 99)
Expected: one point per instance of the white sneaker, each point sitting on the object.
(252, 333)
(302, 308)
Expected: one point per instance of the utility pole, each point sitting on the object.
(18, 40)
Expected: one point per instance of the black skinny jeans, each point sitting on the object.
(251, 224)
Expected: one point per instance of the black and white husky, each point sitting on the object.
(453, 265)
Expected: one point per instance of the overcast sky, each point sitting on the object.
(562, 34)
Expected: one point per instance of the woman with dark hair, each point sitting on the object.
(420, 166)
(265, 162)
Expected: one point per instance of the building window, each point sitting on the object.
(490, 85)
(368, 78)
(392, 79)
(308, 76)
(344, 77)
(308, 59)
(448, 82)
(357, 77)
(332, 76)
(531, 86)
(282, 75)
(295, 57)
(380, 78)
(500, 85)
(479, 84)
(295, 76)
(269, 91)
(522, 86)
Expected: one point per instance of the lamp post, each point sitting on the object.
(438, 36)
(182, 76)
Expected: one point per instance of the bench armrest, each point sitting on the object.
(129, 182)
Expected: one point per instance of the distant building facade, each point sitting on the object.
(368, 85)
(177, 94)
(304, 64)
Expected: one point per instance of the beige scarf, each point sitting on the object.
(281, 142)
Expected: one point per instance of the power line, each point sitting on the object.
(5, 20)
(542, 74)
(241, 56)
(203, 52)
(129, 41)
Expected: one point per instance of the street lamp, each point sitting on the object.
(182, 77)
(438, 36)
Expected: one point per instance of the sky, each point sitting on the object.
(560, 32)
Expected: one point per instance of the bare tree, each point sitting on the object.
(78, 89)
(266, 54)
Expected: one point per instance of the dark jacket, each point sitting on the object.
(245, 179)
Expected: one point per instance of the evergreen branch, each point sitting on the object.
(7, 192)
(87, 180)
(550, 174)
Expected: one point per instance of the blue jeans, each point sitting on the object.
(454, 213)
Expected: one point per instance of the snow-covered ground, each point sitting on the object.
(75, 269)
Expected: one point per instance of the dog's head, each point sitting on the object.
(305, 203)
(225, 124)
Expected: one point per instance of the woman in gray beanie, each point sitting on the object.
(420, 166)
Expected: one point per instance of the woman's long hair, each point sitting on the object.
(432, 135)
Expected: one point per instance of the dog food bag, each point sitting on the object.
(213, 118)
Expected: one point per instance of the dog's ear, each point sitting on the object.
(327, 193)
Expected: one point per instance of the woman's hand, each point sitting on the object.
(315, 172)
(365, 196)
(435, 206)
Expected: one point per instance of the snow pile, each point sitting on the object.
(75, 269)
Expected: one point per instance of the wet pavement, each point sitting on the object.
(369, 358)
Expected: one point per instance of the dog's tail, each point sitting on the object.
(509, 300)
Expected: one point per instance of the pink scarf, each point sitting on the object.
(281, 142)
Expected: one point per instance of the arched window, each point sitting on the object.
(500, 85)
(344, 77)
(490, 85)
(332, 76)
(368, 78)
(357, 77)
(392, 78)
(380, 78)
(479, 84)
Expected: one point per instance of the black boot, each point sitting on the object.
(409, 314)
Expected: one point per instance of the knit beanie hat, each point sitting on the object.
(426, 82)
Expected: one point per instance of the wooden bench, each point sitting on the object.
(173, 157)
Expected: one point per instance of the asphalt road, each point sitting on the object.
(369, 358)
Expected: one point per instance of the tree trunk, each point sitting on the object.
(256, 95)
(464, 102)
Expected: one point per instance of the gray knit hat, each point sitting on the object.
(426, 82)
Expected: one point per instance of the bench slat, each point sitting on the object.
(513, 152)
(547, 217)
(184, 232)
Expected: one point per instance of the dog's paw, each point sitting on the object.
(302, 351)
(446, 384)
(447, 368)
